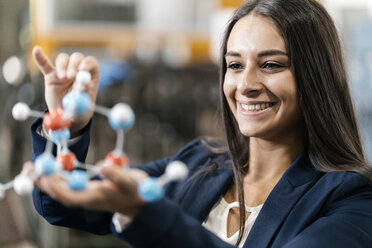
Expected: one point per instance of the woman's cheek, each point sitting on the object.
(228, 88)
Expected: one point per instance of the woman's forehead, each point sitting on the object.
(255, 32)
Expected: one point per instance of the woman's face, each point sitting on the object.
(259, 85)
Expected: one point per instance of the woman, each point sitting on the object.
(295, 162)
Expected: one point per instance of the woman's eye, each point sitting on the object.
(271, 66)
(235, 66)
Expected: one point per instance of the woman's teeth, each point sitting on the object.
(256, 107)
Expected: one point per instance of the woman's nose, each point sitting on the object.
(250, 83)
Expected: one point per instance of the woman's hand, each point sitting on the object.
(117, 192)
(59, 80)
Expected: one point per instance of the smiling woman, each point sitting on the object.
(294, 174)
(259, 84)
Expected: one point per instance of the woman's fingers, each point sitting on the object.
(118, 177)
(94, 196)
(57, 188)
(73, 65)
(28, 168)
(42, 61)
(125, 180)
(67, 66)
(137, 174)
(130, 202)
(116, 193)
(62, 61)
(91, 65)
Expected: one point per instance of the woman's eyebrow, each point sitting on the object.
(232, 54)
(271, 53)
(260, 54)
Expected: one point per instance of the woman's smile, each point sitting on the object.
(253, 108)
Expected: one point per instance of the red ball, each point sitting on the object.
(54, 121)
(67, 160)
(121, 161)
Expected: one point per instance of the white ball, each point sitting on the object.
(121, 112)
(2, 191)
(14, 70)
(21, 111)
(176, 171)
(83, 78)
(23, 185)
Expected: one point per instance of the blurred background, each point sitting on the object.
(160, 56)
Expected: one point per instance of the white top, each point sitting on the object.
(216, 221)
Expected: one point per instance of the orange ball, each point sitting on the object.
(121, 161)
(54, 121)
(67, 160)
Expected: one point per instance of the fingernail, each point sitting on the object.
(71, 73)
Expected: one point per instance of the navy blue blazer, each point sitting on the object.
(307, 208)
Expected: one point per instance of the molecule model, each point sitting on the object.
(77, 174)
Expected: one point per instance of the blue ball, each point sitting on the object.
(46, 164)
(80, 100)
(77, 180)
(149, 190)
(59, 135)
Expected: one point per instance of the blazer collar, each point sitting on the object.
(205, 190)
(293, 184)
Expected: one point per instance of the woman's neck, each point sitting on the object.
(268, 160)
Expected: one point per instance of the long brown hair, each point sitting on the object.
(317, 62)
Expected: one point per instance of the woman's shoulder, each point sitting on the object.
(346, 185)
(348, 178)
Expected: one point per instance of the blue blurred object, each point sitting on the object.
(60, 135)
(149, 190)
(114, 71)
(79, 102)
(45, 164)
(77, 180)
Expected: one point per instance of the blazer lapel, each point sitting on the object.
(205, 190)
(294, 183)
